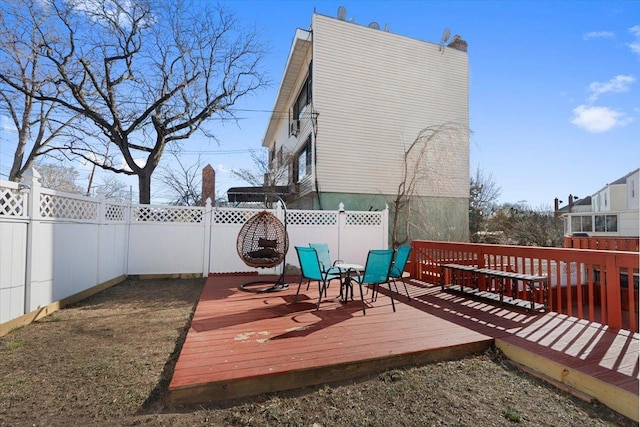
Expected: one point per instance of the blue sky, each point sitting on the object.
(554, 88)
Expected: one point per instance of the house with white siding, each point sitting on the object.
(614, 211)
(351, 101)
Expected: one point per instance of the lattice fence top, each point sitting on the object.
(114, 212)
(232, 216)
(364, 218)
(11, 203)
(167, 214)
(54, 206)
(312, 218)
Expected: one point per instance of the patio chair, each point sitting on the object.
(400, 262)
(311, 270)
(325, 260)
(376, 272)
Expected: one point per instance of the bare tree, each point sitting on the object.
(141, 74)
(521, 225)
(183, 183)
(58, 177)
(113, 188)
(483, 194)
(20, 59)
(411, 217)
(266, 172)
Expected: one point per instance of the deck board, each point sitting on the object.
(243, 343)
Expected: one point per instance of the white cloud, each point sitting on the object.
(598, 35)
(618, 84)
(635, 45)
(6, 124)
(223, 169)
(598, 119)
(124, 166)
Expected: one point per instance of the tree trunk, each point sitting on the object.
(144, 187)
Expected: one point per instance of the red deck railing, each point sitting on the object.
(596, 285)
(603, 243)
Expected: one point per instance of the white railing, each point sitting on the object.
(54, 245)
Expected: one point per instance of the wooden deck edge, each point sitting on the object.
(41, 312)
(247, 387)
(166, 276)
(573, 381)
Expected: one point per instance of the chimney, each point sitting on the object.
(570, 202)
(208, 185)
(458, 44)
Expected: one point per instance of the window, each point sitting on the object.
(303, 99)
(606, 223)
(302, 165)
(581, 223)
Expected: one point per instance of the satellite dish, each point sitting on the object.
(342, 13)
(374, 25)
(445, 35)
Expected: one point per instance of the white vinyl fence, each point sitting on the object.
(54, 245)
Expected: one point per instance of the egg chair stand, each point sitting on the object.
(263, 243)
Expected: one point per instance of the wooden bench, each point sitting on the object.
(465, 278)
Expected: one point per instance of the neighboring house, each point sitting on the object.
(351, 100)
(613, 211)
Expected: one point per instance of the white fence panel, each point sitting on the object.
(113, 240)
(306, 227)
(112, 251)
(75, 261)
(166, 240)
(54, 245)
(361, 232)
(13, 250)
(165, 248)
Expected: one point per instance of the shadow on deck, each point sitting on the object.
(242, 344)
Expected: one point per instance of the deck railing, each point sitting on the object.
(603, 243)
(596, 285)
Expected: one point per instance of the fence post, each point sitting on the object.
(101, 222)
(31, 186)
(281, 214)
(128, 218)
(342, 219)
(612, 283)
(385, 227)
(207, 220)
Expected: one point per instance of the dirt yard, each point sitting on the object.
(108, 360)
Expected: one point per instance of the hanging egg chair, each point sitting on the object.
(262, 241)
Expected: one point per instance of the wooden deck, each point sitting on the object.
(242, 344)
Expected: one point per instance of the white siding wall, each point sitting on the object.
(618, 197)
(374, 91)
(290, 143)
(633, 188)
(629, 223)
